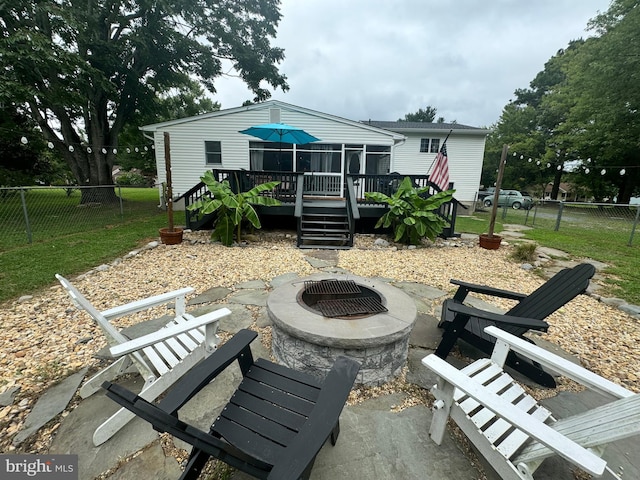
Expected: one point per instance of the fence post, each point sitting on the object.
(120, 197)
(26, 215)
(560, 208)
(635, 222)
(535, 213)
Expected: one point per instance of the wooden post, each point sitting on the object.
(167, 164)
(496, 194)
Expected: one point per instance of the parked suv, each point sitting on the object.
(511, 198)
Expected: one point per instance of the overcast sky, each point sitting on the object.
(381, 59)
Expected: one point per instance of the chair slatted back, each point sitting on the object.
(560, 289)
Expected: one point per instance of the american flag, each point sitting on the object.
(440, 173)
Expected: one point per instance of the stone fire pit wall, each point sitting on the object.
(305, 340)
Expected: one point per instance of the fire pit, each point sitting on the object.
(318, 318)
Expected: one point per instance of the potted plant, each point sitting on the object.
(411, 215)
(232, 208)
(171, 235)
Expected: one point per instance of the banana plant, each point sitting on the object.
(411, 214)
(232, 208)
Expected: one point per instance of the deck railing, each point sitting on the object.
(328, 184)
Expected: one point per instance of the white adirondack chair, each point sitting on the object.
(511, 430)
(161, 357)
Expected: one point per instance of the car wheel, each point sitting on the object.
(487, 203)
(516, 205)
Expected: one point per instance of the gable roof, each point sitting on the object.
(268, 104)
(425, 127)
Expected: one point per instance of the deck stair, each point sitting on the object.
(324, 225)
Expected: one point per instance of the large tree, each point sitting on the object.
(83, 69)
(604, 119)
(426, 115)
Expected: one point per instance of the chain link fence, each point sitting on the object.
(620, 220)
(31, 214)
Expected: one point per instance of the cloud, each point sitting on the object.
(374, 59)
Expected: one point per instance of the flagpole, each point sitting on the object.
(443, 143)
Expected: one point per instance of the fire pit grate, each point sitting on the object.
(350, 306)
(331, 287)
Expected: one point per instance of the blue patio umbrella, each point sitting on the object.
(279, 132)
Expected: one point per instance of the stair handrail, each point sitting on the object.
(297, 212)
(353, 213)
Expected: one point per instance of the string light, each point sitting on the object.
(24, 140)
(586, 170)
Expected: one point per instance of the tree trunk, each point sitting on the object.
(556, 183)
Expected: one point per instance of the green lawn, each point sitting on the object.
(24, 267)
(604, 244)
(106, 235)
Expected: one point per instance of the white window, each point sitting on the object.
(213, 152)
(424, 145)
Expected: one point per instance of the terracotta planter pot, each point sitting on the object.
(490, 243)
(171, 238)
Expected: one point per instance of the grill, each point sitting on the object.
(331, 287)
(341, 298)
(350, 306)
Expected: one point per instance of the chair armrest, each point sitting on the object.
(497, 317)
(237, 347)
(322, 420)
(167, 332)
(146, 303)
(464, 288)
(505, 341)
(164, 422)
(536, 429)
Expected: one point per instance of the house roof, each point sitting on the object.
(425, 127)
(272, 103)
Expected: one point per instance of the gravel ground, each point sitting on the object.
(45, 338)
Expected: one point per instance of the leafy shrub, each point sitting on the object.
(232, 209)
(524, 252)
(132, 179)
(412, 215)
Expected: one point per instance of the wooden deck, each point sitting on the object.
(297, 191)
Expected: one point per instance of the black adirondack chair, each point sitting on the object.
(275, 423)
(468, 323)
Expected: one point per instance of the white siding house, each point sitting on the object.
(465, 151)
(212, 141)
